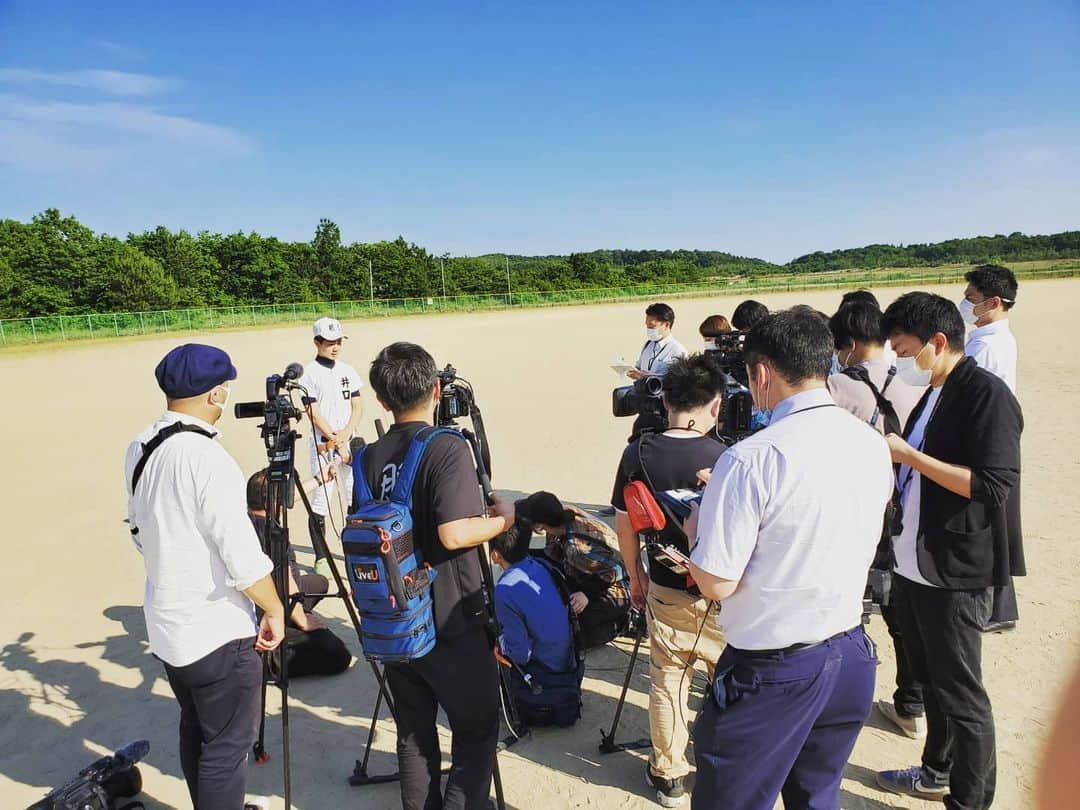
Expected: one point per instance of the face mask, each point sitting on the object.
(835, 367)
(761, 417)
(909, 372)
(710, 346)
(228, 393)
(967, 312)
(652, 333)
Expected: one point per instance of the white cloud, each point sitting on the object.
(111, 82)
(133, 118)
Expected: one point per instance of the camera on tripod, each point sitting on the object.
(643, 397)
(277, 412)
(738, 406)
(456, 398)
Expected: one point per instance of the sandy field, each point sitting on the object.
(76, 679)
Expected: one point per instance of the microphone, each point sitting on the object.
(293, 371)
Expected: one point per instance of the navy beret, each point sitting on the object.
(193, 369)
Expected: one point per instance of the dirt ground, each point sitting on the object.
(76, 679)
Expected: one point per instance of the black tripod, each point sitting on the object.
(607, 738)
(280, 440)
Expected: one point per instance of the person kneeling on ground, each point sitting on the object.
(584, 550)
(310, 648)
(533, 608)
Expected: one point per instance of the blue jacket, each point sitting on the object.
(534, 618)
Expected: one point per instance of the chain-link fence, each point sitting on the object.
(46, 328)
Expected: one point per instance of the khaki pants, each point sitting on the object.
(675, 617)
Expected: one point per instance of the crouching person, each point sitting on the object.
(585, 551)
(538, 638)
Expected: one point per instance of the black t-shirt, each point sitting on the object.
(445, 489)
(672, 463)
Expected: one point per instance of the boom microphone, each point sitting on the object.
(293, 371)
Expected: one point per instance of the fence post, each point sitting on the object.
(33, 329)
(116, 324)
(333, 310)
(89, 326)
(189, 320)
(142, 324)
(252, 314)
(294, 311)
(3, 338)
(63, 334)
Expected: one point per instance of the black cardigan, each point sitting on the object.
(961, 543)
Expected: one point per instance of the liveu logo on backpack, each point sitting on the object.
(391, 583)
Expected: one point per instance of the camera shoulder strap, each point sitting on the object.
(156, 442)
(883, 406)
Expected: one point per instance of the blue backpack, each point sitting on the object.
(391, 584)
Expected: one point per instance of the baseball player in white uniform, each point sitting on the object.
(333, 405)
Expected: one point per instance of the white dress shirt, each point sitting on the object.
(994, 348)
(198, 545)
(657, 355)
(909, 482)
(794, 514)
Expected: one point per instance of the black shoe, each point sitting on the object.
(999, 627)
(669, 792)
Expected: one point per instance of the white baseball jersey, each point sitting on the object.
(333, 388)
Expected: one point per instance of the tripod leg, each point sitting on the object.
(285, 737)
(500, 799)
(607, 739)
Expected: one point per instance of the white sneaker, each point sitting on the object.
(913, 727)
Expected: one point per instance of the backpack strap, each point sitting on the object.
(156, 442)
(559, 579)
(361, 488)
(884, 406)
(411, 465)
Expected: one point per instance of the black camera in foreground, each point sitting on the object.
(456, 399)
(643, 396)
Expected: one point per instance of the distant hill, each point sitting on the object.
(1016, 247)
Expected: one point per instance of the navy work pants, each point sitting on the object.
(783, 722)
(219, 697)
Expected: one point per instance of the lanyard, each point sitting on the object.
(922, 442)
(657, 350)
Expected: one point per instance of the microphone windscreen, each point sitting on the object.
(294, 371)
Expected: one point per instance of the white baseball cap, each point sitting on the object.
(328, 329)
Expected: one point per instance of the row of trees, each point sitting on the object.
(54, 264)
(1016, 247)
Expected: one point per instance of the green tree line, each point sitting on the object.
(56, 265)
(1016, 247)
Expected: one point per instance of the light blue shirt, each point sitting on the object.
(794, 514)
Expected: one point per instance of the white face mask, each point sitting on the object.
(908, 371)
(710, 345)
(228, 393)
(652, 333)
(967, 312)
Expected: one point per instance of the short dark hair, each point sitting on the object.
(714, 324)
(401, 376)
(860, 295)
(859, 321)
(662, 312)
(258, 489)
(923, 315)
(691, 382)
(747, 314)
(993, 279)
(543, 507)
(513, 544)
(796, 341)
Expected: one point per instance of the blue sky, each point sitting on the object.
(765, 129)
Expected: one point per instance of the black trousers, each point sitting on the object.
(908, 696)
(219, 719)
(461, 676)
(602, 620)
(942, 639)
